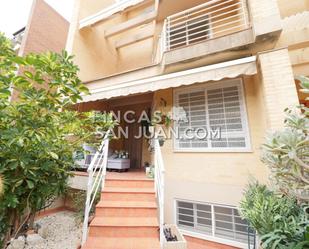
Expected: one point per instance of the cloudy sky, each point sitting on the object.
(14, 13)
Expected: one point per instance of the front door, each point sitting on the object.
(134, 146)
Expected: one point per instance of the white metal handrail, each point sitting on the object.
(96, 179)
(159, 186)
(209, 20)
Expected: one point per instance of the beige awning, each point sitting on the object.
(230, 69)
(107, 12)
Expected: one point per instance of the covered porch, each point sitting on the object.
(133, 98)
(133, 114)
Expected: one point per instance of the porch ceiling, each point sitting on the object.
(216, 72)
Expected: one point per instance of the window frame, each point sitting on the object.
(198, 233)
(243, 106)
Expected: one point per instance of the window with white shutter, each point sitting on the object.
(216, 115)
(213, 220)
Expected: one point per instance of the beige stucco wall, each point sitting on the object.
(216, 177)
(98, 57)
(295, 37)
(288, 7)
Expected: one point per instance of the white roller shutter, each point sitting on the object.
(215, 107)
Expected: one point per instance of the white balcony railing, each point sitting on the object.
(96, 180)
(159, 186)
(206, 21)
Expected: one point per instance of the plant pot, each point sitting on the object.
(150, 172)
(180, 244)
(161, 141)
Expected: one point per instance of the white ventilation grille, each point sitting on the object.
(218, 109)
(212, 220)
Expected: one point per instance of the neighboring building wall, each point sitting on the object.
(46, 30)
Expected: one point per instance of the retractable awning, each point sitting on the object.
(230, 69)
(107, 12)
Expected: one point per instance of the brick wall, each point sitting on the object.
(265, 16)
(278, 85)
(46, 30)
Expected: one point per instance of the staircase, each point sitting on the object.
(126, 217)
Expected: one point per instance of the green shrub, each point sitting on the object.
(35, 149)
(278, 219)
(286, 153)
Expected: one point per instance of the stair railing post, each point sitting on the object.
(159, 186)
(87, 206)
(91, 189)
(162, 210)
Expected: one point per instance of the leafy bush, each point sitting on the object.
(286, 153)
(36, 131)
(279, 220)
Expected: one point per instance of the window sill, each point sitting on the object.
(193, 150)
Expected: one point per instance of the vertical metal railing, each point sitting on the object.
(209, 20)
(159, 186)
(96, 180)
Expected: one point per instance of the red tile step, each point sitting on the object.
(127, 194)
(121, 243)
(129, 183)
(126, 216)
(126, 209)
(124, 227)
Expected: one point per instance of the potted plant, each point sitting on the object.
(173, 239)
(161, 141)
(162, 119)
(150, 171)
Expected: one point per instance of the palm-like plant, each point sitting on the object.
(278, 219)
(286, 153)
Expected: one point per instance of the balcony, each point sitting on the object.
(225, 22)
(204, 22)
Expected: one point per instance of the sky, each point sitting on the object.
(14, 13)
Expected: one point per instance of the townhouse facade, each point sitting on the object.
(231, 65)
